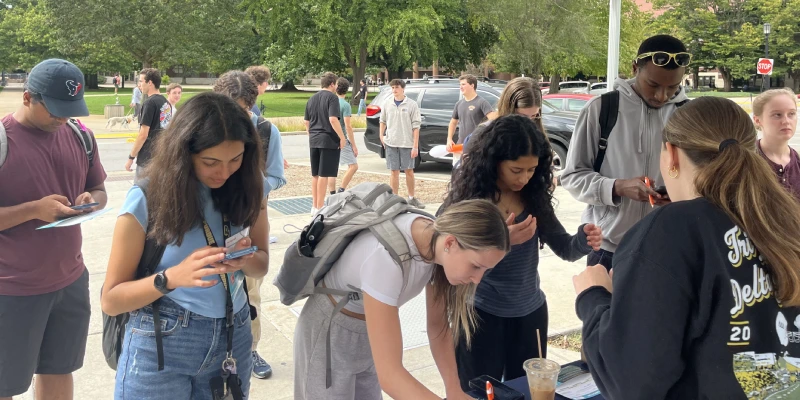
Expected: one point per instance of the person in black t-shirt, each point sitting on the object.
(155, 116)
(362, 95)
(325, 137)
(706, 289)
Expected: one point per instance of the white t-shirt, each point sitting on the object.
(367, 265)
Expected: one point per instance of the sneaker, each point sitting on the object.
(416, 203)
(314, 211)
(261, 369)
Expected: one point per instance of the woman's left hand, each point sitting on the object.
(237, 263)
(594, 236)
(595, 275)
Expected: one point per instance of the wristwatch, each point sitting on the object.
(130, 157)
(160, 282)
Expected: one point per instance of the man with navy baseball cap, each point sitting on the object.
(48, 165)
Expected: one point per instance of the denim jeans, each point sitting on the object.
(362, 105)
(194, 348)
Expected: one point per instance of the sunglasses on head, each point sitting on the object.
(662, 58)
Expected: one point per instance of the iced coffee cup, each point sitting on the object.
(542, 377)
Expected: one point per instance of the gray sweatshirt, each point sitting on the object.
(634, 148)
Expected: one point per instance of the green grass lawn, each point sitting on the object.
(278, 104)
(721, 94)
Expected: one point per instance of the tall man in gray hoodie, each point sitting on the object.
(616, 193)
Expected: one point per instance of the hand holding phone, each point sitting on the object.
(241, 253)
(85, 206)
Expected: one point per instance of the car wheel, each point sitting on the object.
(417, 161)
(559, 159)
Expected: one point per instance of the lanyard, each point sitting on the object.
(230, 363)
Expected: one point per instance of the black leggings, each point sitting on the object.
(500, 346)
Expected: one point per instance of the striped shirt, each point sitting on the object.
(511, 289)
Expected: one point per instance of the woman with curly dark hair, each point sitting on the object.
(509, 164)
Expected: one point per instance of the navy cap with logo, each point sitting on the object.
(61, 85)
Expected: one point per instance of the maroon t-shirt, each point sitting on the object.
(789, 174)
(40, 164)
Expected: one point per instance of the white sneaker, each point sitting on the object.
(314, 211)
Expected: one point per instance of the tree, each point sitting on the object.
(558, 38)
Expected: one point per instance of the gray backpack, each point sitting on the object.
(83, 135)
(368, 206)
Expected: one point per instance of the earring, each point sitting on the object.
(673, 172)
(446, 250)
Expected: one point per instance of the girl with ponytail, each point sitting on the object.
(705, 288)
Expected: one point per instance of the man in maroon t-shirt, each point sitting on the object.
(44, 284)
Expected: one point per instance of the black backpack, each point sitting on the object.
(264, 128)
(609, 110)
(114, 327)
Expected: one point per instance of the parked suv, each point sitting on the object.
(437, 99)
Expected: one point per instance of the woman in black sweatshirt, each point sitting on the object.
(706, 288)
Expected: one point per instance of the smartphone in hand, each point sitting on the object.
(84, 206)
(241, 253)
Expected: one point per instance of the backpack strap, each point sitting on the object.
(609, 109)
(84, 137)
(3, 144)
(151, 255)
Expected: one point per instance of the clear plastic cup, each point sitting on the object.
(542, 378)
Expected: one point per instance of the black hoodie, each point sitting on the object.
(694, 314)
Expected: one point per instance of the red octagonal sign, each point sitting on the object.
(764, 66)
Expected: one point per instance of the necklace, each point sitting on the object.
(505, 206)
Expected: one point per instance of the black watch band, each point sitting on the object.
(130, 157)
(160, 282)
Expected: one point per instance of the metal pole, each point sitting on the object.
(766, 54)
(612, 65)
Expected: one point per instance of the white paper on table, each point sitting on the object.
(578, 388)
(78, 219)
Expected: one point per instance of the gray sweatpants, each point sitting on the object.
(353, 370)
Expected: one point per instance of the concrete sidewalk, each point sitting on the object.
(96, 381)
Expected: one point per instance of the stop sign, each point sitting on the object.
(764, 66)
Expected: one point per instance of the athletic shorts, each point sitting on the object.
(325, 162)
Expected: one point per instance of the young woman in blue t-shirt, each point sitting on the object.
(207, 165)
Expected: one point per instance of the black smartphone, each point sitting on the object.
(662, 190)
(84, 206)
(501, 391)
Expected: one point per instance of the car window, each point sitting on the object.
(573, 85)
(599, 86)
(412, 94)
(490, 97)
(440, 99)
(547, 107)
(575, 104)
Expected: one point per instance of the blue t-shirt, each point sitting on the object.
(208, 302)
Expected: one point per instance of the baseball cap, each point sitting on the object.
(61, 85)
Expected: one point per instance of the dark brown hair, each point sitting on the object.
(238, 85)
(471, 79)
(740, 182)
(174, 203)
(342, 85)
(152, 75)
(328, 79)
(259, 73)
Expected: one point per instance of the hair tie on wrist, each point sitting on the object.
(727, 142)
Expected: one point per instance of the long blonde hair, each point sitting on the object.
(477, 225)
(520, 93)
(739, 181)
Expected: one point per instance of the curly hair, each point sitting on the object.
(238, 85)
(508, 138)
